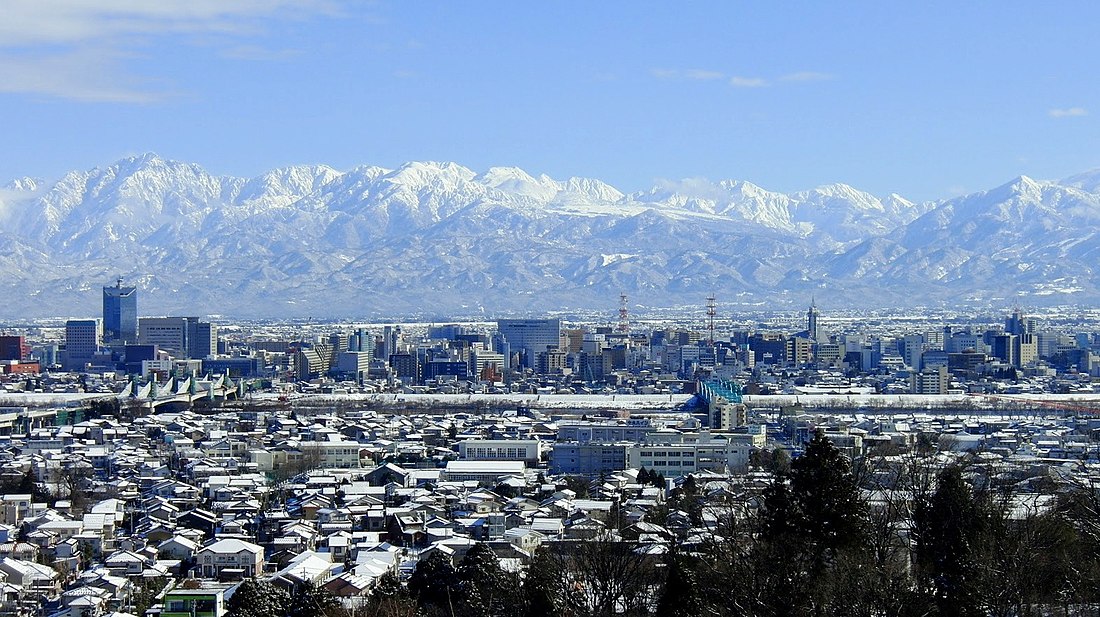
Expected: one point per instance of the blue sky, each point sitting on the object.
(927, 99)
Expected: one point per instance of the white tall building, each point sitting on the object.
(184, 337)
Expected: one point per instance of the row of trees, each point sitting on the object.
(932, 542)
(932, 545)
(258, 598)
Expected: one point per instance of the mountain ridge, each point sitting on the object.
(439, 237)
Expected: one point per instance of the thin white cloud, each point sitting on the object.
(258, 52)
(703, 75)
(1069, 112)
(696, 187)
(738, 81)
(91, 75)
(806, 76)
(77, 49)
(748, 82)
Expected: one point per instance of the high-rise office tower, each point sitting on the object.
(530, 337)
(202, 338)
(812, 326)
(120, 313)
(81, 342)
(183, 337)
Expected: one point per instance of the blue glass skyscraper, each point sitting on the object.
(120, 313)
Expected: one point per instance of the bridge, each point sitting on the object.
(725, 407)
(178, 393)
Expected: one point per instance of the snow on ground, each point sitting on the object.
(540, 401)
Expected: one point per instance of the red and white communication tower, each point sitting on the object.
(712, 313)
(624, 316)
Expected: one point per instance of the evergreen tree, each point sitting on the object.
(830, 513)
(390, 599)
(777, 516)
(434, 584)
(948, 534)
(689, 486)
(681, 595)
(777, 568)
(256, 598)
(309, 600)
(541, 585)
(485, 588)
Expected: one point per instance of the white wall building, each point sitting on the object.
(499, 450)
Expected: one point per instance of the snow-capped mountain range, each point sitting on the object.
(441, 239)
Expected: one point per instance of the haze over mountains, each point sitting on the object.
(439, 239)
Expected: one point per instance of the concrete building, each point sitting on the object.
(799, 350)
(235, 367)
(482, 471)
(312, 362)
(910, 348)
(1027, 349)
(708, 453)
(526, 450)
(592, 432)
(167, 333)
(485, 360)
(1005, 347)
(82, 338)
(768, 347)
(931, 381)
(183, 337)
(530, 337)
(551, 362)
(14, 348)
(340, 454)
(202, 339)
(587, 459)
(353, 364)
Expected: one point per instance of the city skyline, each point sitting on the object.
(336, 308)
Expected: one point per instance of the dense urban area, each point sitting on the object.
(927, 462)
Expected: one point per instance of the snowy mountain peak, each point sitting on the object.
(1087, 181)
(427, 172)
(24, 184)
(1026, 184)
(429, 236)
(840, 194)
(744, 188)
(595, 189)
(1020, 187)
(898, 200)
(496, 176)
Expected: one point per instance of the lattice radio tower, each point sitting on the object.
(712, 312)
(624, 315)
